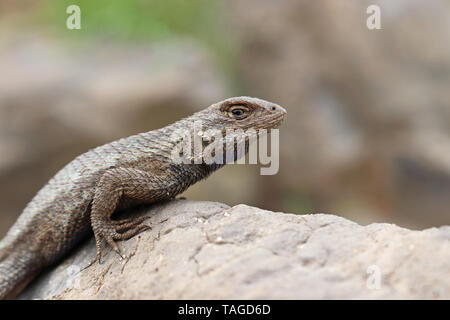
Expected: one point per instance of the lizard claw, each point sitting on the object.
(128, 229)
(113, 245)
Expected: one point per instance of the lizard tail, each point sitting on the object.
(17, 269)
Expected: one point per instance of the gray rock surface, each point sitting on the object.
(207, 250)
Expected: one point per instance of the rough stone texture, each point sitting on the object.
(207, 250)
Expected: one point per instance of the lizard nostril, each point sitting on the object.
(273, 108)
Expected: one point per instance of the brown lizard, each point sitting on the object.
(84, 194)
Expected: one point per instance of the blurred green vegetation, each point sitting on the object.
(145, 21)
(297, 202)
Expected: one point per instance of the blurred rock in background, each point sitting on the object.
(368, 128)
(369, 110)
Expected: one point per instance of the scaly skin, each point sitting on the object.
(84, 194)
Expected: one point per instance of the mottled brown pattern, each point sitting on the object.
(85, 193)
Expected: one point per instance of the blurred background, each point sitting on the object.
(368, 130)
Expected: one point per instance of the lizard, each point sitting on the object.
(83, 196)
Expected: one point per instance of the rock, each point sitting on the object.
(207, 250)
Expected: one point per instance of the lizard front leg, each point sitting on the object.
(114, 185)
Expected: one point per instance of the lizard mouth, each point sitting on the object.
(276, 120)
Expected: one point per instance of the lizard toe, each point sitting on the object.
(130, 232)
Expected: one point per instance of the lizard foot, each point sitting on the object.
(126, 224)
(118, 230)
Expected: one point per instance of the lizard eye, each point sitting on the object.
(238, 111)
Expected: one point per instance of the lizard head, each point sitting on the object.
(229, 125)
(234, 122)
(244, 113)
